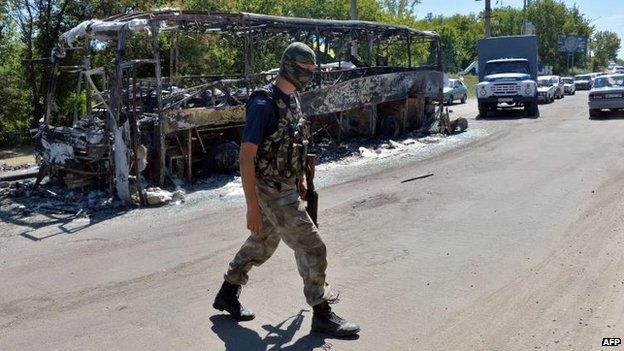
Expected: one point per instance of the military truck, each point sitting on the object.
(507, 74)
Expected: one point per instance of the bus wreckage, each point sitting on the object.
(138, 123)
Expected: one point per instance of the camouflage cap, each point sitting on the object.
(297, 53)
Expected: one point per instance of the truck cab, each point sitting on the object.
(507, 74)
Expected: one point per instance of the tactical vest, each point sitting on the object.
(281, 156)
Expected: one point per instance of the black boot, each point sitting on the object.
(327, 322)
(227, 300)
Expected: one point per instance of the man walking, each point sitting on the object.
(272, 163)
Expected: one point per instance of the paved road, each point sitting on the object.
(514, 244)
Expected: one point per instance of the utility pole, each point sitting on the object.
(354, 17)
(524, 18)
(488, 17)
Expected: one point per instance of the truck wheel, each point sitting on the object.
(593, 113)
(531, 109)
(483, 110)
(493, 107)
(463, 99)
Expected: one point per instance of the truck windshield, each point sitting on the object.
(582, 78)
(567, 80)
(506, 67)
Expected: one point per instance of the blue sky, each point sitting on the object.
(606, 14)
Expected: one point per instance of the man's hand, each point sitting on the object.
(248, 175)
(254, 219)
(303, 187)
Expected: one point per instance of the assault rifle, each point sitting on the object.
(311, 195)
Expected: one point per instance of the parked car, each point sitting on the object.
(558, 84)
(583, 82)
(607, 93)
(455, 89)
(568, 85)
(617, 70)
(545, 90)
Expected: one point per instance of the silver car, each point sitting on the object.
(558, 84)
(607, 93)
(568, 85)
(545, 90)
(455, 89)
(583, 82)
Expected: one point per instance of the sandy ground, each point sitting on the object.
(514, 244)
(18, 156)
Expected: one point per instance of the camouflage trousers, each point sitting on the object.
(284, 218)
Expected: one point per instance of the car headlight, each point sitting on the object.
(528, 90)
(482, 91)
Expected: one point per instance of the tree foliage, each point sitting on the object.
(605, 46)
(400, 8)
(15, 100)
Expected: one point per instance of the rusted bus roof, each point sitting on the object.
(243, 22)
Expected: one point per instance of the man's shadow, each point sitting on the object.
(238, 338)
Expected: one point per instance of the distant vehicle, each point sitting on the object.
(568, 85)
(583, 82)
(558, 84)
(607, 93)
(617, 70)
(546, 90)
(455, 89)
(595, 75)
(507, 73)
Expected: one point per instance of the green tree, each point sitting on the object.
(16, 111)
(549, 17)
(400, 8)
(507, 21)
(605, 46)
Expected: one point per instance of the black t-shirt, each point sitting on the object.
(261, 117)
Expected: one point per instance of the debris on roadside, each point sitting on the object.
(328, 151)
(156, 196)
(17, 172)
(4, 167)
(19, 199)
(418, 177)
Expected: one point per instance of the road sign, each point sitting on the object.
(572, 43)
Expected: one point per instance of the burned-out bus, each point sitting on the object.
(150, 104)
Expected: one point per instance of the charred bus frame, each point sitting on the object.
(120, 137)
